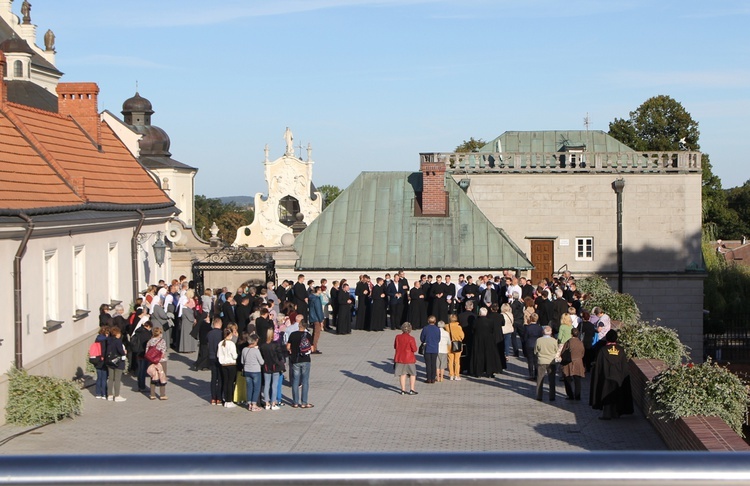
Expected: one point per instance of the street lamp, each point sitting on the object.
(160, 249)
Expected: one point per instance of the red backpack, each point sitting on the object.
(96, 356)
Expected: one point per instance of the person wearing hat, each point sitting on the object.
(610, 380)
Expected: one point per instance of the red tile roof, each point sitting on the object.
(47, 160)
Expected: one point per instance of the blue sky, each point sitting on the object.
(371, 83)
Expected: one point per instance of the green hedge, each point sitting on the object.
(706, 389)
(38, 400)
(647, 341)
(619, 307)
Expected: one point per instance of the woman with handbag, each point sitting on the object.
(156, 355)
(456, 334)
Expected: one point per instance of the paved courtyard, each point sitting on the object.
(357, 409)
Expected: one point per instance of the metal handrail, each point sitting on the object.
(517, 468)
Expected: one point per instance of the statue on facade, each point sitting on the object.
(26, 11)
(49, 40)
(289, 139)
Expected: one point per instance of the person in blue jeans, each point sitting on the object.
(299, 346)
(431, 338)
(101, 368)
(252, 363)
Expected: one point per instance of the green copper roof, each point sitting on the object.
(555, 141)
(372, 226)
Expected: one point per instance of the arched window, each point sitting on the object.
(18, 69)
(288, 209)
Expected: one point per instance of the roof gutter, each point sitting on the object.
(134, 252)
(85, 207)
(17, 310)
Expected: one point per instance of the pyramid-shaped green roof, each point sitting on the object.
(372, 226)
(556, 141)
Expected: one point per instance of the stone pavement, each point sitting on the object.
(357, 409)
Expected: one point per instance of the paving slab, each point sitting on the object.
(357, 409)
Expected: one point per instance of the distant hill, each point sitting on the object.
(241, 201)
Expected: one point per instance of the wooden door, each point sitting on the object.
(543, 258)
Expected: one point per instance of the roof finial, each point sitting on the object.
(26, 11)
(136, 86)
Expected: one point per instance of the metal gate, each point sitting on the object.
(229, 258)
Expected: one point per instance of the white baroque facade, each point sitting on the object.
(289, 180)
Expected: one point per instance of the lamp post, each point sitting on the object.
(618, 185)
(160, 249)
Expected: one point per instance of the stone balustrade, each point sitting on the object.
(678, 162)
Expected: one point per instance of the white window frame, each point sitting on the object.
(113, 273)
(51, 288)
(79, 278)
(584, 248)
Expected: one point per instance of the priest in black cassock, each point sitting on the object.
(344, 322)
(450, 295)
(417, 306)
(378, 308)
(362, 292)
(439, 291)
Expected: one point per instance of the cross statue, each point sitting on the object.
(300, 150)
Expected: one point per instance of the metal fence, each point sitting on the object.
(727, 340)
(476, 469)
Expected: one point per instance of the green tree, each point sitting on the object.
(329, 193)
(658, 125)
(470, 145)
(228, 217)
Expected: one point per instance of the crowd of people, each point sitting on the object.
(250, 338)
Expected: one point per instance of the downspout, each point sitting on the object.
(17, 310)
(134, 252)
(618, 185)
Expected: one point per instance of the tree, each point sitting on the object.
(228, 217)
(471, 145)
(657, 125)
(329, 193)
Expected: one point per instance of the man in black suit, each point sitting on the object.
(527, 290)
(438, 292)
(403, 285)
(488, 296)
(559, 307)
(242, 313)
(334, 303)
(395, 301)
(300, 296)
(227, 309)
(450, 295)
(362, 292)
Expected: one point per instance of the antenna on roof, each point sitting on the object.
(586, 121)
(136, 85)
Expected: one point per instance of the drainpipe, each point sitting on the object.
(134, 252)
(18, 314)
(618, 185)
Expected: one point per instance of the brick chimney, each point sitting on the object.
(434, 195)
(80, 102)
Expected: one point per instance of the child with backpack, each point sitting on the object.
(97, 352)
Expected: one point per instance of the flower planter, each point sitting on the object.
(697, 433)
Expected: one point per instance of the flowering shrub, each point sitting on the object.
(619, 307)
(706, 389)
(648, 341)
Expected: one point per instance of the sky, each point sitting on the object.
(370, 84)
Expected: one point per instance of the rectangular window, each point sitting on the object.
(79, 278)
(51, 286)
(585, 248)
(112, 273)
